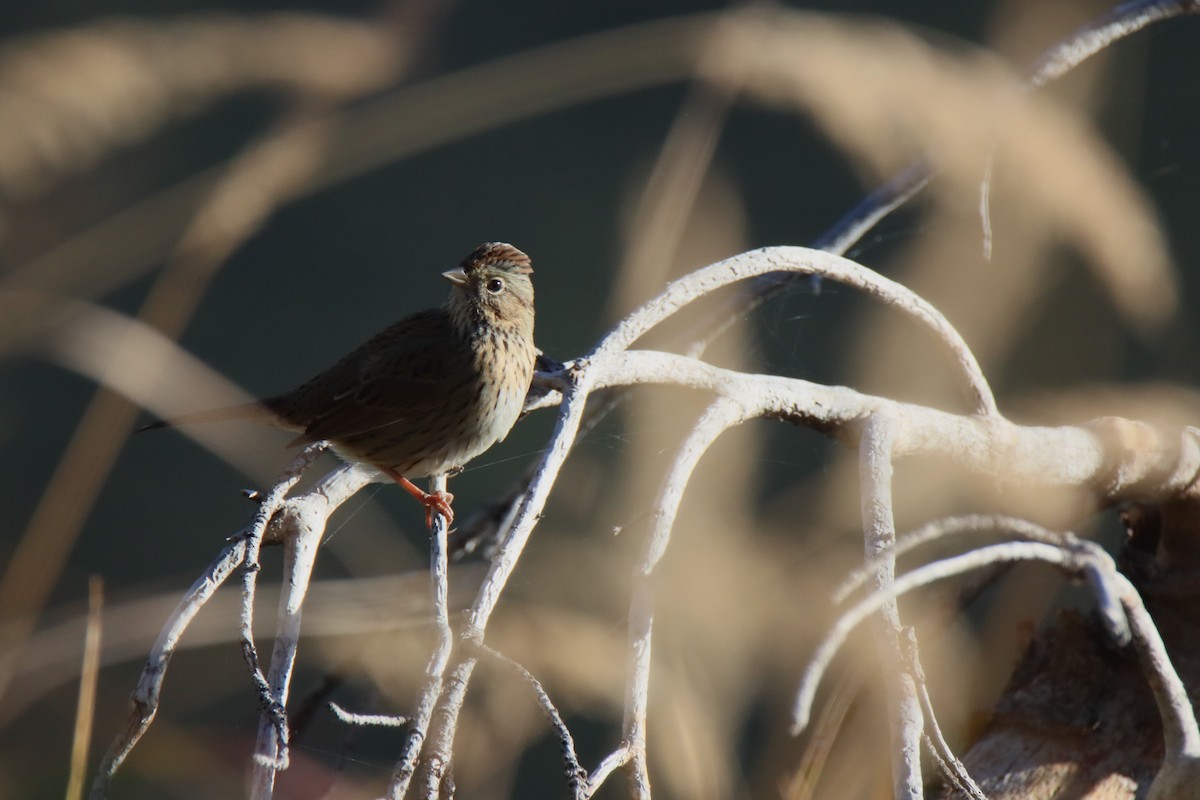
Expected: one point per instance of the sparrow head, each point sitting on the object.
(491, 286)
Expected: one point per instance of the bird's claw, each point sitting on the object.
(438, 502)
(433, 501)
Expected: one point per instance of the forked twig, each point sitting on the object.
(935, 742)
(274, 713)
(1181, 765)
(921, 576)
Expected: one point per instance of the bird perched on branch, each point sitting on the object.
(427, 394)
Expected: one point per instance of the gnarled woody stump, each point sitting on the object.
(1077, 718)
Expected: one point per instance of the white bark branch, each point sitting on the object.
(953, 526)
(611, 763)
(921, 576)
(274, 712)
(1142, 464)
(143, 703)
(306, 517)
(879, 541)
(718, 418)
(368, 720)
(435, 669)
(1126, 19)
(936, 743)
(803, 261)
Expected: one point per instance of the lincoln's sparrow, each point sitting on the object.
(428, 393)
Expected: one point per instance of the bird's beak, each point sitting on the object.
(457, 276)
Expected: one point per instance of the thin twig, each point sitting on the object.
(368, 720)
(948, 762)
(143, 703)
(435, 669)
(503, 563)
(1071, 51)
(921, 576)
(955, 526)
(1084, 42)
(576, 775)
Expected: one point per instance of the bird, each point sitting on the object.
(426, 394)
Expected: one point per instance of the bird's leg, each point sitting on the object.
(433, 501)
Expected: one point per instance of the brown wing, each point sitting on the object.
(403, 370)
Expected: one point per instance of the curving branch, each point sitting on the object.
(1124, 20)
(1177, 777)
(143, 703)
(723, 414)
(921, 576)
(306, 513)
(801, 261)
(576, 775)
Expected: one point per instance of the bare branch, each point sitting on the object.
(306, 527)
(435, 669)
(719, 417)
(1179, 776)
(803, 261)
(368, 720)
(879, 540)
(575, 773)
(143, 704)
(1178, 717)
(955, 526)
(503, 563)
(1124, 20)
(328, 494)
(269, 504)
(921, 576)
(1113, 467)
(949, 763)
(611, 763)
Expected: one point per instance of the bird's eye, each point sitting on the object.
(495, 286)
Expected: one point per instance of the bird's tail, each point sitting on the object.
(254, 412)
